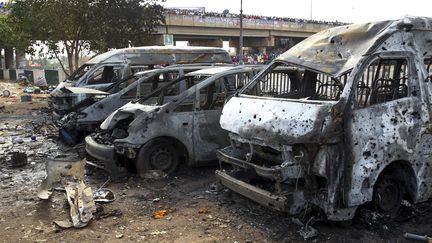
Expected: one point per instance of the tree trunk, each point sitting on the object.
(61, 64)
(77, 59)
(9, 57)
(70, 62)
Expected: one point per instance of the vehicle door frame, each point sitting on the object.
(365, 172)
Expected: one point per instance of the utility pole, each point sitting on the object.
(241, 33)
(311, 9)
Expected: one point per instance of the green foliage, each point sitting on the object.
(76, 26)
(124, 22)
(12, 35)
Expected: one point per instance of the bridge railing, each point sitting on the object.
(225, 22)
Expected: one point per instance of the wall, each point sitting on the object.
(53, 77)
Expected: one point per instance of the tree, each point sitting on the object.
(11, 37)
(76, 26)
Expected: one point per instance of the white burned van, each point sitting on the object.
(355, 129)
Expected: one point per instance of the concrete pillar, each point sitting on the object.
(207, 42)
(9, 58)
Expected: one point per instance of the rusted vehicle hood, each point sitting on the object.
(273, 121)
(128, 110)
(336, 50)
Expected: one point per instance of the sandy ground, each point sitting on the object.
(195, 212)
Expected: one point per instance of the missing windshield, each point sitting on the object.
(284, 81)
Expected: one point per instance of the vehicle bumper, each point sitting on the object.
(228, 155)
(104, 153)
(291, 201)
(99, 151)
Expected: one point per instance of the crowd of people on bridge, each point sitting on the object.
(257, 58)
(202, 13)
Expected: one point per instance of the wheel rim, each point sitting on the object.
(387, 195)
(161, 159)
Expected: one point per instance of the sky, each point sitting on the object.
(351, 11)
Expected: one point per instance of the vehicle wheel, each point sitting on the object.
(159, 154)
(387, 196)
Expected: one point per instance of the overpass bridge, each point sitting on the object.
(212, 31)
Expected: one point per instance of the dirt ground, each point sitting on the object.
(195, 212)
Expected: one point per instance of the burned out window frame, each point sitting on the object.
(214, 87)
(220, 87)
(413, 89)
(117, 71)
(312, 98)
(135, 87)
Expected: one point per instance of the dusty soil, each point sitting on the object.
(13, 104)
(195, 212)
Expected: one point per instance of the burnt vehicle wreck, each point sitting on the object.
(105, 70)
(178, 122)
(354, 130)
(89, 115)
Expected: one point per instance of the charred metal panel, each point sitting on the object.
(279, 121)
(382, 134)
(208, 136)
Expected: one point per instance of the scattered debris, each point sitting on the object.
(203, 211)
(104, 195)
(157, 232)
(6, 93)
(415, 237)
(308, 232)
(160, 214)
(214, 189)
(82, 205)
(58, 169)
(26, 98)
(17, 140)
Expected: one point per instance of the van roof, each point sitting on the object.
(148, 55)
(335, 51)
(210, 71)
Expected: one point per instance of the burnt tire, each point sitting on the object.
(387, 195)
(159, 154)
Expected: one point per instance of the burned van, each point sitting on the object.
(108, 68)
(89, 114)
(177, 122)
(355, 129)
